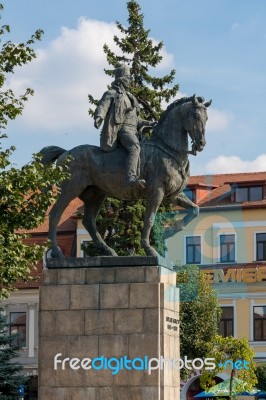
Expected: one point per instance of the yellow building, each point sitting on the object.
(228, 241)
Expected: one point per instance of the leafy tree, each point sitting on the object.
(200, 313)
(26, 193)
(261, 376)
(234, 355)
(140, 53)
(10, 380)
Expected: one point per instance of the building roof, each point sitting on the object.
(67, 223)
(220, 195)
(220, 179)
(66, 237)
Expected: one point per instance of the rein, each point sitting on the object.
(170, 152)
(192, 151)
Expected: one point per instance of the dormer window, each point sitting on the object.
(198, 191)
(190, 193)
(249, 193)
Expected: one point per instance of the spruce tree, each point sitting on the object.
(10, 380)
(140, 53)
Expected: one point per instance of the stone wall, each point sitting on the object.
(110, 312)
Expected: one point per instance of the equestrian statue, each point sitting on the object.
(123, 167)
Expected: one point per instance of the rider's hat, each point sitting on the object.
(122, 70)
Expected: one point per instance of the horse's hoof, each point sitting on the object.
(151, 252)
(113, 254)
(53, 253)
(60, 256)
(57, 254)
(179, 226)
(110, 252)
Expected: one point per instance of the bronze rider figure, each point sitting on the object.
(120, 110)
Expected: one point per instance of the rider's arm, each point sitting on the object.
(103, 108)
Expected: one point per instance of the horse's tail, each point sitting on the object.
(50, 154)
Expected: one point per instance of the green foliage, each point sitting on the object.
(200, 313)
(25, 194)
(164, 217)
(10, 380)
(140, 53)
(261, 376)
(230, 348)
(120, 224)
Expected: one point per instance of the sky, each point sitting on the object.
(217, 47)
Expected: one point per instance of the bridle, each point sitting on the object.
(165, 147)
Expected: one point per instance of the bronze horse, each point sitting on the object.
(164, 165)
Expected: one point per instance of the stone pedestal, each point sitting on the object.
(110, 311)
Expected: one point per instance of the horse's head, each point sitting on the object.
(194, 118)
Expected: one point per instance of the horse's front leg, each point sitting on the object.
(154, 200)
(193, 211)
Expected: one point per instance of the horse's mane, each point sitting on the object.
(176, 103)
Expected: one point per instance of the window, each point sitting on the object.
(226, 325)
(190, 193)
(227, 248)
(260, 246)
(193, 250)
(250, 193)
(18, 326)
(259, 319)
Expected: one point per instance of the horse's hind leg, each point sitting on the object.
(92, 203)
(54, 218)
(68, 193)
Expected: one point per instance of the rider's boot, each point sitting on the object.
(132, 179)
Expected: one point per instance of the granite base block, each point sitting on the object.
(109, 311)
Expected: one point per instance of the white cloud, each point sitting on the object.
(179, 95)
(65, 72)
(227, 164)
(167, 61)
(218, 120)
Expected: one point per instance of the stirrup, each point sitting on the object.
(136, 181)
